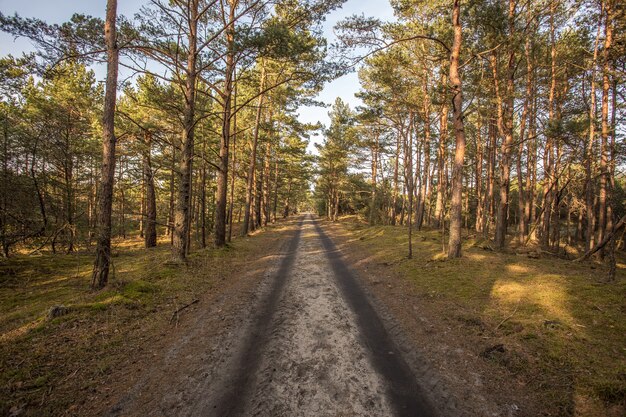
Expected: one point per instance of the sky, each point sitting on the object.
(58, 11)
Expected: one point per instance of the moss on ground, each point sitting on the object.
(562, 327)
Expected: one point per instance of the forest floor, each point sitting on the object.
(313, 318)
(73, 364)
(308, 344)
(528, 332)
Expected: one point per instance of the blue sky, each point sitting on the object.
(57, 11)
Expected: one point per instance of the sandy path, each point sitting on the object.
(311, 345)
(314, 364)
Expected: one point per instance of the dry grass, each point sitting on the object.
(48, 363)
(563, 329)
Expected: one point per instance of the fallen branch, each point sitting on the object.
(604, 241)
(175, 313)
(509, 316)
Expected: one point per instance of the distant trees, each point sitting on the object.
(334, 158)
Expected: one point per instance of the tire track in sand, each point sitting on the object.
(318, 347)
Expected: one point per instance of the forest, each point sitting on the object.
(202, 132)
(150, 159)
(523, 147)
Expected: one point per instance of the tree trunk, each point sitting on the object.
(374, 169)
(222, 174)
(454, 243)
(233, 176)
(396, 184)
(267, 182)
(589, 156)
(441, 158)
(604, 145)
(100, 274)
(506, 130)
(252, 167)
(425, 181)
(408, 158)
(183, 200)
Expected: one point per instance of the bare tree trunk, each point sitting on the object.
(408, 171)
(276, 186)
(252, 167)
(170, 214)
(522, 193)
(425, 182)
(589, 156)
(100, 274)
(183, 200)
(150, 236)
(202, 209)
(531, 147)
(222, 174)
(604, 145)
(232, 180)
(550, 173)
(287, 200)
(258, 200)
(396, 185)
(506, 129)
(267, 182)
(454, 242)
(122, 210)
(374, 168)
(489, 210)
(441, 158)
(5, 183)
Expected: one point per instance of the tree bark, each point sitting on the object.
(222, 174)
(589, 156)
(425, 181)
(252, 166)
(454, 242)
(232, 180)
(396, 184)
(506, 130)
(183, 200)
(374, 169)
(604, 145)
(441, 158)
(100, 274)
(408, 170)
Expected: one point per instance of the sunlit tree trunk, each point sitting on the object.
(425, 181)
(252, 166)
(589, 154)
(100, 274)
(603, 209)
(222, 173)
(184, 171)
(441, 159)
(505, 126)
(454, 243)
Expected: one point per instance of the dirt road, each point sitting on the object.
(313, 345)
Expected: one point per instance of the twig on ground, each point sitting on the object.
(509, 316)
(178, 310)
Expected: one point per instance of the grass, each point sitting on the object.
(48, 365)
(563, 329)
